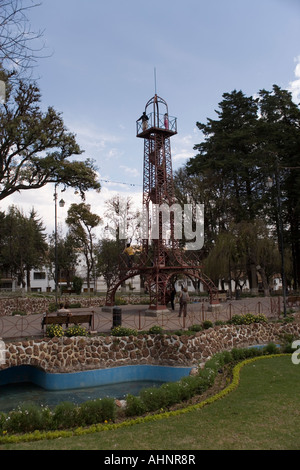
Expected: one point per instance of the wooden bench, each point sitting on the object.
(222, 297)
(293, 300)
(68, 319)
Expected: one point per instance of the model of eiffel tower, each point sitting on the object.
(161, 258)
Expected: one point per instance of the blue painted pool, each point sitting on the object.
(26, 384)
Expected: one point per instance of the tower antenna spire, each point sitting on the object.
(155, 80)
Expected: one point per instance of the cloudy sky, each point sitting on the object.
(99, 73)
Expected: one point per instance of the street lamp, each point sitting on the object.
(269, 185)
(61, 204)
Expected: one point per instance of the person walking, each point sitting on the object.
(183, 300)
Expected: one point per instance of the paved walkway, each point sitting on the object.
(135, 317)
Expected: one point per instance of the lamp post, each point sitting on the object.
(2, 92)
(280, 227)
(61, 204)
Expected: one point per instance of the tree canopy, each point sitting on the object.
(36, 147)
(251, 140)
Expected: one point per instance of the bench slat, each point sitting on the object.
(67, 319)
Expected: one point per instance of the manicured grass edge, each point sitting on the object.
(49, 435)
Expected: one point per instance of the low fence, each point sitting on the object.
(136, 317)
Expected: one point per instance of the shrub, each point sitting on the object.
(108, 409)
(123, 331)
(260, 318)
(194, 385)
(54, 331)
(287, 340)
(271, 348)
(76, 330)
(134, 406)
(77, 284)
(96, 411)
(171, 393)
(75, 305)
(52, 307)
(247, 319)
(24, 419)
(65, 416)
(152, 398)
(236, 320)
(195, 328)
(155, 330)
(207, 324)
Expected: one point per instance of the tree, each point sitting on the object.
(17, 40)
(23, 246)
(228, 156)
(279, 132)
(124, 219)
(242, 252)
(66, 257)
(108, 260)
(252, 140)
(35, 146)
(81, 222)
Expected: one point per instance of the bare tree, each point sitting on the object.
(20, 47)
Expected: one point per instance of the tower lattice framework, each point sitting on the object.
(161, 256)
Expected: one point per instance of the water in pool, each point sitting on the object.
(24, 393)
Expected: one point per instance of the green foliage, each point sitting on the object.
(249, 140)
(76, 330)
(25, 419)
(77, 284)
(54, 331)
(19, 312)
(207, 324)
(96, 411)
(22, 243)
(134, 406)
(155, 330)
(196, 328)
(81, 222)
(45, 146)
(123, 331)
(52, 307)
(247, 319)
(65, 416)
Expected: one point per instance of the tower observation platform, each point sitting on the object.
(153, 120)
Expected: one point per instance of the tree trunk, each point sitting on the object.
(252, 274)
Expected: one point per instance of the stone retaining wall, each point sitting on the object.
(62, 355)
(31, 305)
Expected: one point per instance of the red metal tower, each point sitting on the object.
(161, 257)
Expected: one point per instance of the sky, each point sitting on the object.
(98, 71)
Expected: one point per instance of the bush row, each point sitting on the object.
(246, 319)
(58, 331)
(236, 320)
(64, 416)
(67, 415)
(169, 394)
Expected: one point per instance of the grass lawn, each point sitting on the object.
(262, 413)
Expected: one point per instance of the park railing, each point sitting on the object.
(137, 318)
